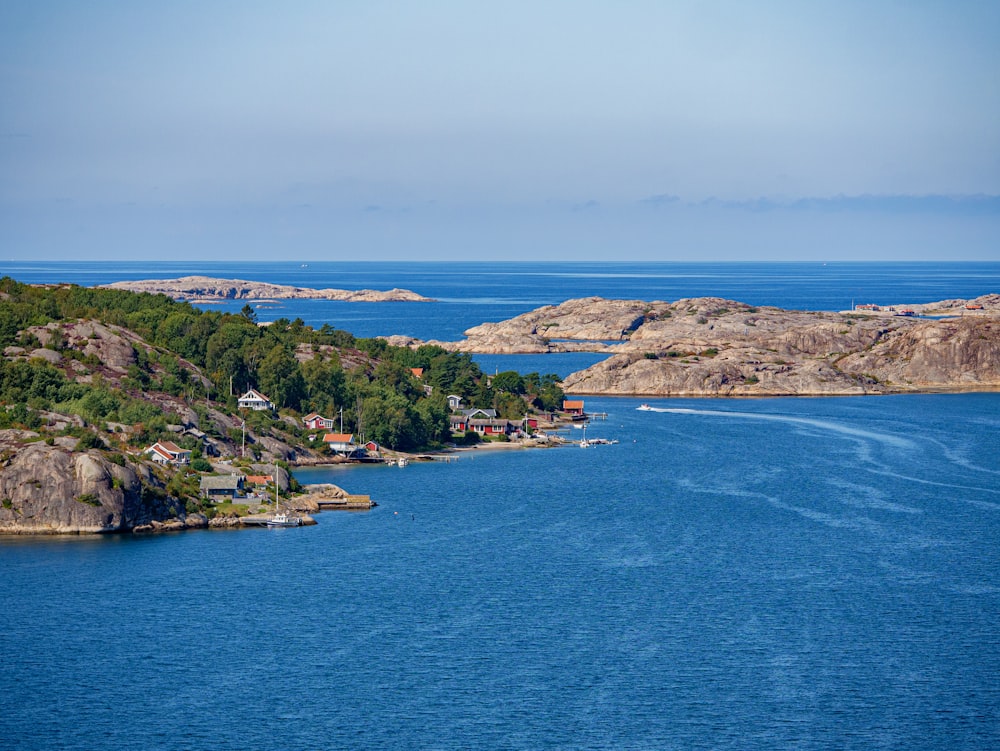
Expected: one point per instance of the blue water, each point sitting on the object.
(471, 293)
(745, 574)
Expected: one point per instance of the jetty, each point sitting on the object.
(349, 502)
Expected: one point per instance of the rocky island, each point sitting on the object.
(208, 289)
(710, 346)
(122, 412)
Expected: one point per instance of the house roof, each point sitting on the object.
(310, 416)
(417, 372)
(259, 479)
(171, 447)
(155, 449)
(338, 438)
(573, 404)
(479, 410)
(222, 482)
(253, 395)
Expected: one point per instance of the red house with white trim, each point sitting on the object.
(314, 421)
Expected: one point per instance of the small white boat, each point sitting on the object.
(644, 408)
(284, 520)
(280, 518)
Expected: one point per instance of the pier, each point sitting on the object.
(351, 502)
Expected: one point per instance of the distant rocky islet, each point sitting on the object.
(207, 289)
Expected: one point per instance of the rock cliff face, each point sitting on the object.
(208, 288)
(53, 490)
(714, 347)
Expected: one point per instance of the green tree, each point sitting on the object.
(280, 377)
(509, 381)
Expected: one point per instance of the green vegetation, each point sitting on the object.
(188, 359)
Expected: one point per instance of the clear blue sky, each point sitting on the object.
(527, 130)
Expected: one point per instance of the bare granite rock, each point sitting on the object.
(54, 490)
(710, 346)
(113, 346)
(208, 288)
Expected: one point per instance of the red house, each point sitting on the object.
(314, 421)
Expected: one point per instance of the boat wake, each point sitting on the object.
(886, 438)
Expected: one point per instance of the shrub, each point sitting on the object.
(90, 441)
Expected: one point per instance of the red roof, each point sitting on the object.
(155, 448)
(573, 405)
(338, 438)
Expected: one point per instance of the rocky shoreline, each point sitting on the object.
(709, 346)
(209, 289)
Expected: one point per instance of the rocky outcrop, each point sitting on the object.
(205, 288)
(555, 328)
(112, 346)
(710, 346)
(50, 489)
(821, 356)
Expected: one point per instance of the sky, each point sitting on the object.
(657, 131)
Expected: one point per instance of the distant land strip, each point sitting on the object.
(206, 288)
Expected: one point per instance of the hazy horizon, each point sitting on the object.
(644, 131)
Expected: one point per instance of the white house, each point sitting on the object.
(168, 452)
(340, 443)
(256, 401)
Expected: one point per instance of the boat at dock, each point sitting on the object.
(280, 518)
(284, 520)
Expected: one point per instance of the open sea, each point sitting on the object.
(784, 573)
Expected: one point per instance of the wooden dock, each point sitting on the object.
(351, 502)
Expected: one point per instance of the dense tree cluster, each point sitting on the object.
(211, 355)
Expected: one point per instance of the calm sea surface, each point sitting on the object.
(754, 574)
